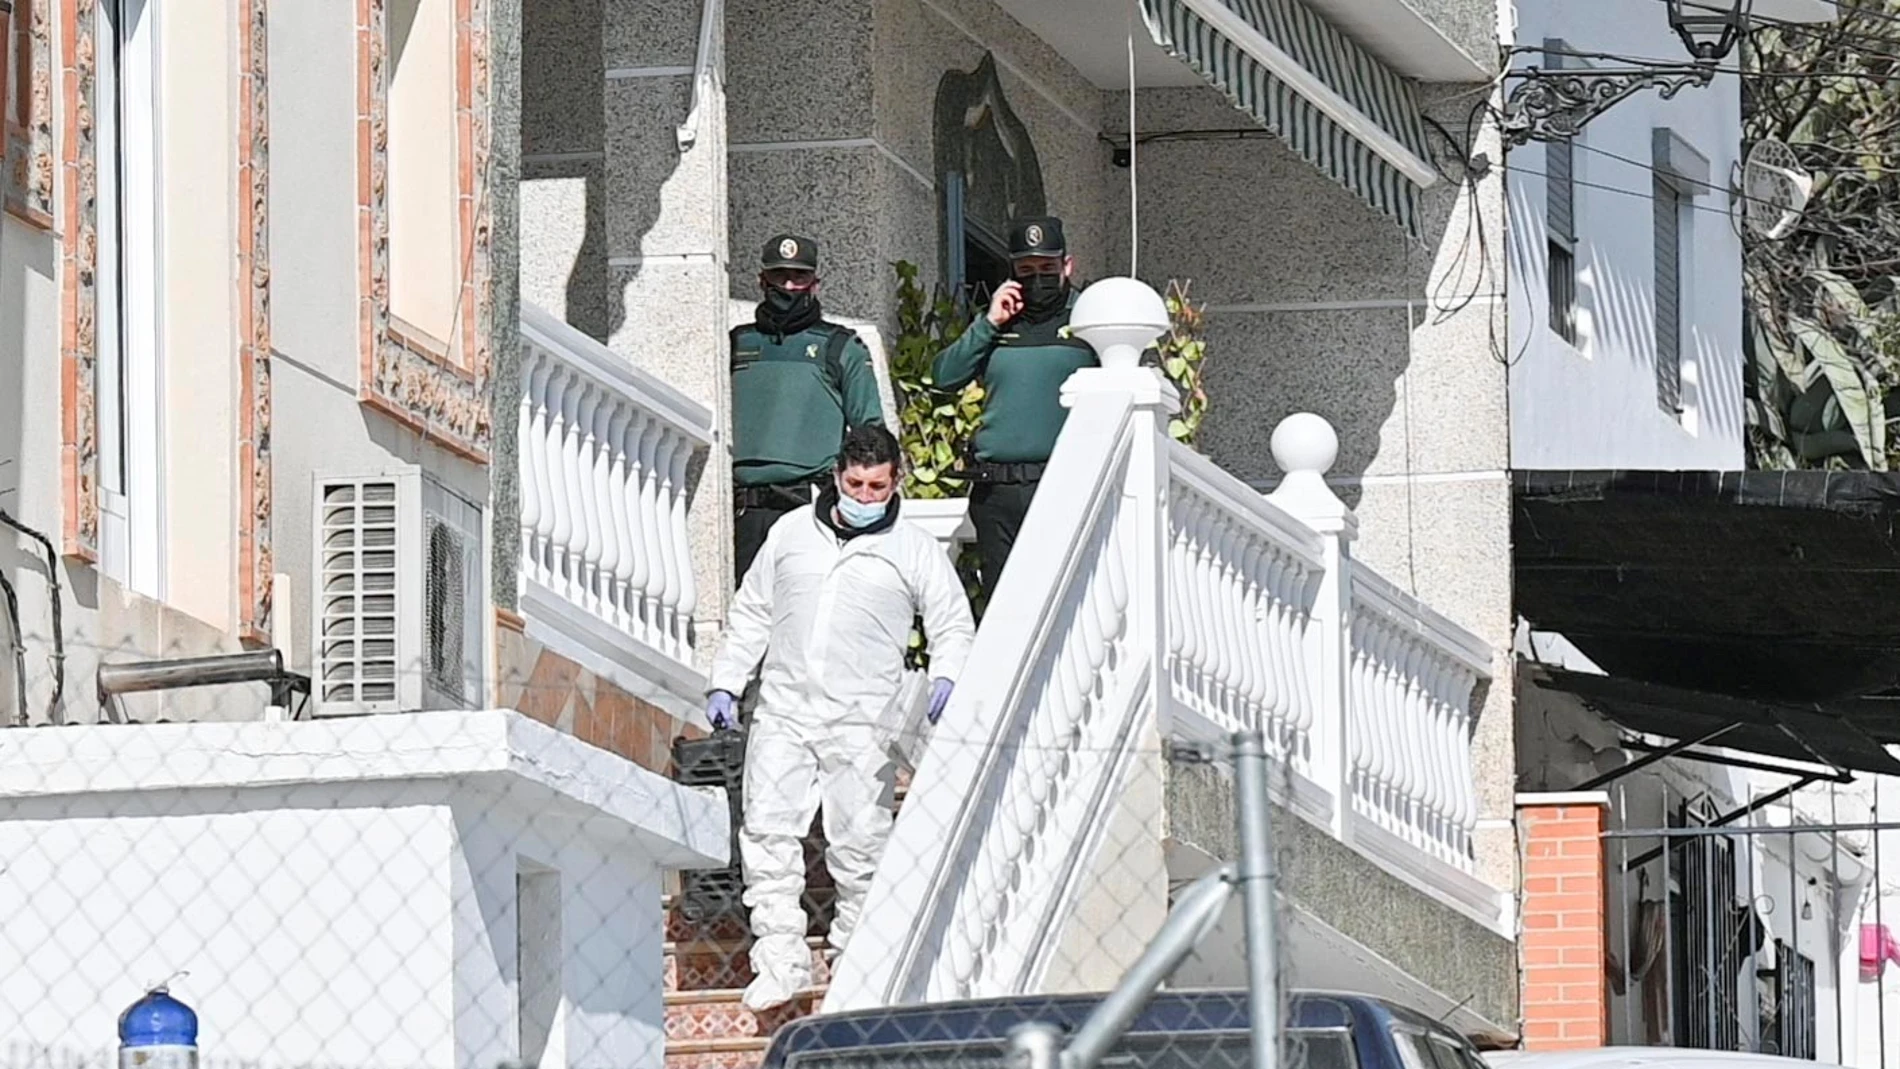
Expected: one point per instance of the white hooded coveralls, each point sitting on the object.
(831, 619)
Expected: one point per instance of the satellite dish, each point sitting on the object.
(1775, 190)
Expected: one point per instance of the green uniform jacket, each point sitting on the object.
(792, 399)
(1022, 371)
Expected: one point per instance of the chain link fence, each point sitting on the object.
(477, 888)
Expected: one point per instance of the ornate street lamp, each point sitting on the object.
(1553, 104)
(1709, 28)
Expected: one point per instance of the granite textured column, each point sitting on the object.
(666, 239)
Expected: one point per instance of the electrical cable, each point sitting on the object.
(1134, 199)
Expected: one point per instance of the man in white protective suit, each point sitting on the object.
(828, 606)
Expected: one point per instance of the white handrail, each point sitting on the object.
(1014, 770)
(1146, 579)
(642, 389)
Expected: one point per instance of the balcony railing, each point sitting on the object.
(606, 567)
(1151, 591)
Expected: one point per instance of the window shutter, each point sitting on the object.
(1560, 190)
(1667, 204)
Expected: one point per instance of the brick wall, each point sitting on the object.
(1561, 943)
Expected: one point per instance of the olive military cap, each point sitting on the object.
(789, 250)
(1040, 236)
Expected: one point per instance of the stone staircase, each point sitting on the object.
(708, 966)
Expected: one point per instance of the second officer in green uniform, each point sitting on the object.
(1017, 349)
(798, 382)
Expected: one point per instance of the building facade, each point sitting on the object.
(1689, 879)
(392, 336)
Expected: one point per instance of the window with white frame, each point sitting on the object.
(1678, 174)
(1560, 220)
(129, 370)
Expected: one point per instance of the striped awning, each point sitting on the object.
(1342, 110)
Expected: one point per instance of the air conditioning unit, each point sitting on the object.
(397, 616)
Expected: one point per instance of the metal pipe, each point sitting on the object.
(1193, 916)
(56, 603)
(1037, 1045)
(1257, 881)
(256, 666)
(1722, 821)
(1651, 758)
(1839, 776)
(1769, 829)
(17, 643)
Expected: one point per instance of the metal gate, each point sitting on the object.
(1744, 932)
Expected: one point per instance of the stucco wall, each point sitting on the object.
(1593, 405)
(1314, 303)
(832, 134)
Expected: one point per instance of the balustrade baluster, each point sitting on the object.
(688, 600)
(532, 377)
(651, 618)
(593, 482)
(633, 443)
(620, 566)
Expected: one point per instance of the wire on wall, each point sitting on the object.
(1134, 199)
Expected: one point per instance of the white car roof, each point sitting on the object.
(1641, 1058)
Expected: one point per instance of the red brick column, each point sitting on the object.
(1561, 919)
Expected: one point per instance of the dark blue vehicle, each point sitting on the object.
(1178, 1030)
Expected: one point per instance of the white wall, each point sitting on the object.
(342, 893)
(1594, 405)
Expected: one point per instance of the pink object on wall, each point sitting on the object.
(1877, 947)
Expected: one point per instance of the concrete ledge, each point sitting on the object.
(1562, 798)
(679, 827)
(1441, 947)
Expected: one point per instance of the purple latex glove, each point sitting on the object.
(939, 697)
(719, 710)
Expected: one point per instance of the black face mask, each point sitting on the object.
(1044, 295)
(784, 311)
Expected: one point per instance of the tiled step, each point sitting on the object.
(703, 964)
(718, 1014)
(734, 925)
(745, 1053)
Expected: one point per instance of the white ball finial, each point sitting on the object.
(1305, 446)
(1118, 318)
(1304, 442)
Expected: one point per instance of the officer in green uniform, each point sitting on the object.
(1016, 348)
(797, 383)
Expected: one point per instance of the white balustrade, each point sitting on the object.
(1242, 576)
(1409, 719)
(1148, 582)
(604, 448)
(998, 825)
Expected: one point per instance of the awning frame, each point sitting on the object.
(1418, 171)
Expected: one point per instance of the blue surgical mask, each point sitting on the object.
(857, 514)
